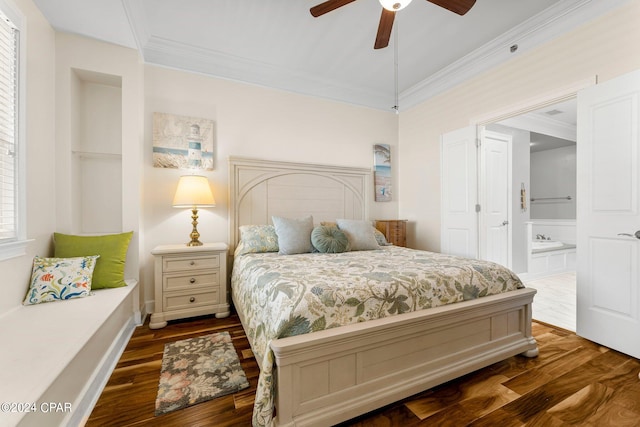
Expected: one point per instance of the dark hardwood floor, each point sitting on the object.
(572, 382)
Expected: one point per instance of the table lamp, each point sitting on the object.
(193, 192)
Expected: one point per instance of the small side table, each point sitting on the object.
(189, 281)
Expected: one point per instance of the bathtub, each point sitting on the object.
(545, 244)
(549, 257)
(538, 246)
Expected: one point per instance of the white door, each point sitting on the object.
(608, 214)
(459, 190)
(495, 188)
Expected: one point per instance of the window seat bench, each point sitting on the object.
(57, 357)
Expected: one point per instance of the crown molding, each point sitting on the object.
(138, 23)
(172, 54)
(554, 21)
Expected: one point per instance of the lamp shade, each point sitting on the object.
(193, 191)
(394, 5)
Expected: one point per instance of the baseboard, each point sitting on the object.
(96, 383)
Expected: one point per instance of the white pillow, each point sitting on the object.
(294, 235)
(360, 234)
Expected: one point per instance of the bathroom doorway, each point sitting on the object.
(544, 207)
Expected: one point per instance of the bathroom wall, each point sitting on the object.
(553, 174)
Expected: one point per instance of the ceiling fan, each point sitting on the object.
(390, 7)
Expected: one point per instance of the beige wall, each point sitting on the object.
(41, 201)
(606, 47)
(250, 121)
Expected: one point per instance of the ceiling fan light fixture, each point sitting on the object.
(394, 5)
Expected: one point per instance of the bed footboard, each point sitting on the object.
(331, 376)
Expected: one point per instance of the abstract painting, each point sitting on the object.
(382, 172)
(182, 142)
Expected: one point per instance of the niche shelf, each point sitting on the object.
(96, 152)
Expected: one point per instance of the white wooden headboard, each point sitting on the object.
(259, 189)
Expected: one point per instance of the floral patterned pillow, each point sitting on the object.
(57, 279)
(382, 241)
(257, 238)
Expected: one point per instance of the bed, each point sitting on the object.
(360, 329)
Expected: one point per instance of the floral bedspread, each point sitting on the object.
(285, 295)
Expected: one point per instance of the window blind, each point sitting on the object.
(8, 129)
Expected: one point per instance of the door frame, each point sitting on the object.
(552, 97)
(535, 103)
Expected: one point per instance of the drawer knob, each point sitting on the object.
(192, 299)
(193, 280)
(192, 263)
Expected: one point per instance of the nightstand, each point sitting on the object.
(395, 230)
(189, 281)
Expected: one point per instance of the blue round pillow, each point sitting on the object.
(329, 239)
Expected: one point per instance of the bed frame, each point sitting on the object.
(330, 376)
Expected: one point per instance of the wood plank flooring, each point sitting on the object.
(572, 382)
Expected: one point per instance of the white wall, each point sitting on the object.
(553, 174)
(252, 121)
(40, 182)
(603, 47)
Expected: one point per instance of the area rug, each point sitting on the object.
(198, 369)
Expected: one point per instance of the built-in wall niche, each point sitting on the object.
(96, 145)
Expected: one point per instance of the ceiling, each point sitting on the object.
(563, 114)
(550, 127)
(278, 44)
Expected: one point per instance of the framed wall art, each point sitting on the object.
(182, 142)
(382, 172)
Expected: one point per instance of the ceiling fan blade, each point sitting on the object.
(328, 6)
(457, 6)
(384, 29)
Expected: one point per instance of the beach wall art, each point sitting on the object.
(382, 172)
(182, 142)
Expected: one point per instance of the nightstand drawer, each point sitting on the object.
(187, 263)
(185, 301)
(175, 282)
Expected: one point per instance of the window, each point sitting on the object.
(12, 233)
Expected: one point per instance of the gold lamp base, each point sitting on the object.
(195, 236)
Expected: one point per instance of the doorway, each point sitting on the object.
(544, 237)
(542, 140)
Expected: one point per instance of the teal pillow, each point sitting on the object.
(329, 239)
(112, 248)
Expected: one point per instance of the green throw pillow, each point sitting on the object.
(329, 239)
(112, 248)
